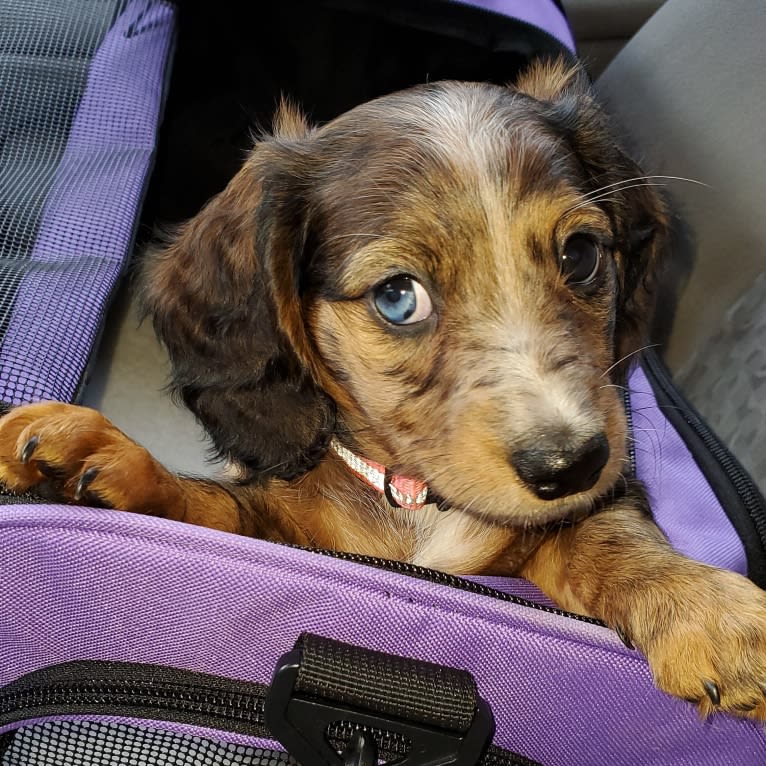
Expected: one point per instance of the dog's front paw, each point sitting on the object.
(74, 454)
(708, 642)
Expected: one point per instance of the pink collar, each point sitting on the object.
(400, 491)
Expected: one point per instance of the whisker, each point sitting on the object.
(623, 182)
(606, 194)
(630, 183)
(632, 353)
(646, 178)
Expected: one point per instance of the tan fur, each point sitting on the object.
(265, 301)
(548, 80)
(290, 123)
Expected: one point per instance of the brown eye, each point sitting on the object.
(580, 260)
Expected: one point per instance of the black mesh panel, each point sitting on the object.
(87, 743)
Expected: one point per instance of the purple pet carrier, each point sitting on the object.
(133, 640)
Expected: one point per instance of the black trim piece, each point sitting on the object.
(739, 496)
(527, 27)
(493, 31)
(550, 45)
(160, 694)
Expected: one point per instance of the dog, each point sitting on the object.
(408, 331)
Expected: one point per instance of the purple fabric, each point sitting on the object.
(87, 226)
(90, 584)
(682, 501)
(543, 14)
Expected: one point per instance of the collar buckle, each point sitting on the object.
(399, 491)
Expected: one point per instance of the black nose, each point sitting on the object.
(552, 472)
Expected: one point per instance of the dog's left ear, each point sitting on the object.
(640, 215)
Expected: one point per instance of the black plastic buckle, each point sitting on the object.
(300, 722)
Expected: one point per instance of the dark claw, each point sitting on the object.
(712, 691)
(29, 448)
(623, 636)
(85, 481)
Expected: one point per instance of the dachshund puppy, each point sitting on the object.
(407, 331)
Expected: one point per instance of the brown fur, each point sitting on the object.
(264, 301)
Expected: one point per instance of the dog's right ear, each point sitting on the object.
(224, 298)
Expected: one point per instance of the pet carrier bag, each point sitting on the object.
(133, 640)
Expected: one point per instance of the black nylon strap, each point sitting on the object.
(405, 688)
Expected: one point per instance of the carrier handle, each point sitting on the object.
(433, 711)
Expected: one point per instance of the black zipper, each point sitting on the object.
(163, 694)
(629, 421)
(447, 580)
(739, 496)
(135, 691)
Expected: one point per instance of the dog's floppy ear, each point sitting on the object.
(224, 299)
(640, 215)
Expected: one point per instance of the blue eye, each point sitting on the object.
(402, 300)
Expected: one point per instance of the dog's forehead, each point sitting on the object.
(440, 108)
(443, 166)
(446, 111)
(446, 138)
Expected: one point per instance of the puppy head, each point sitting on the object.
(454, 270)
